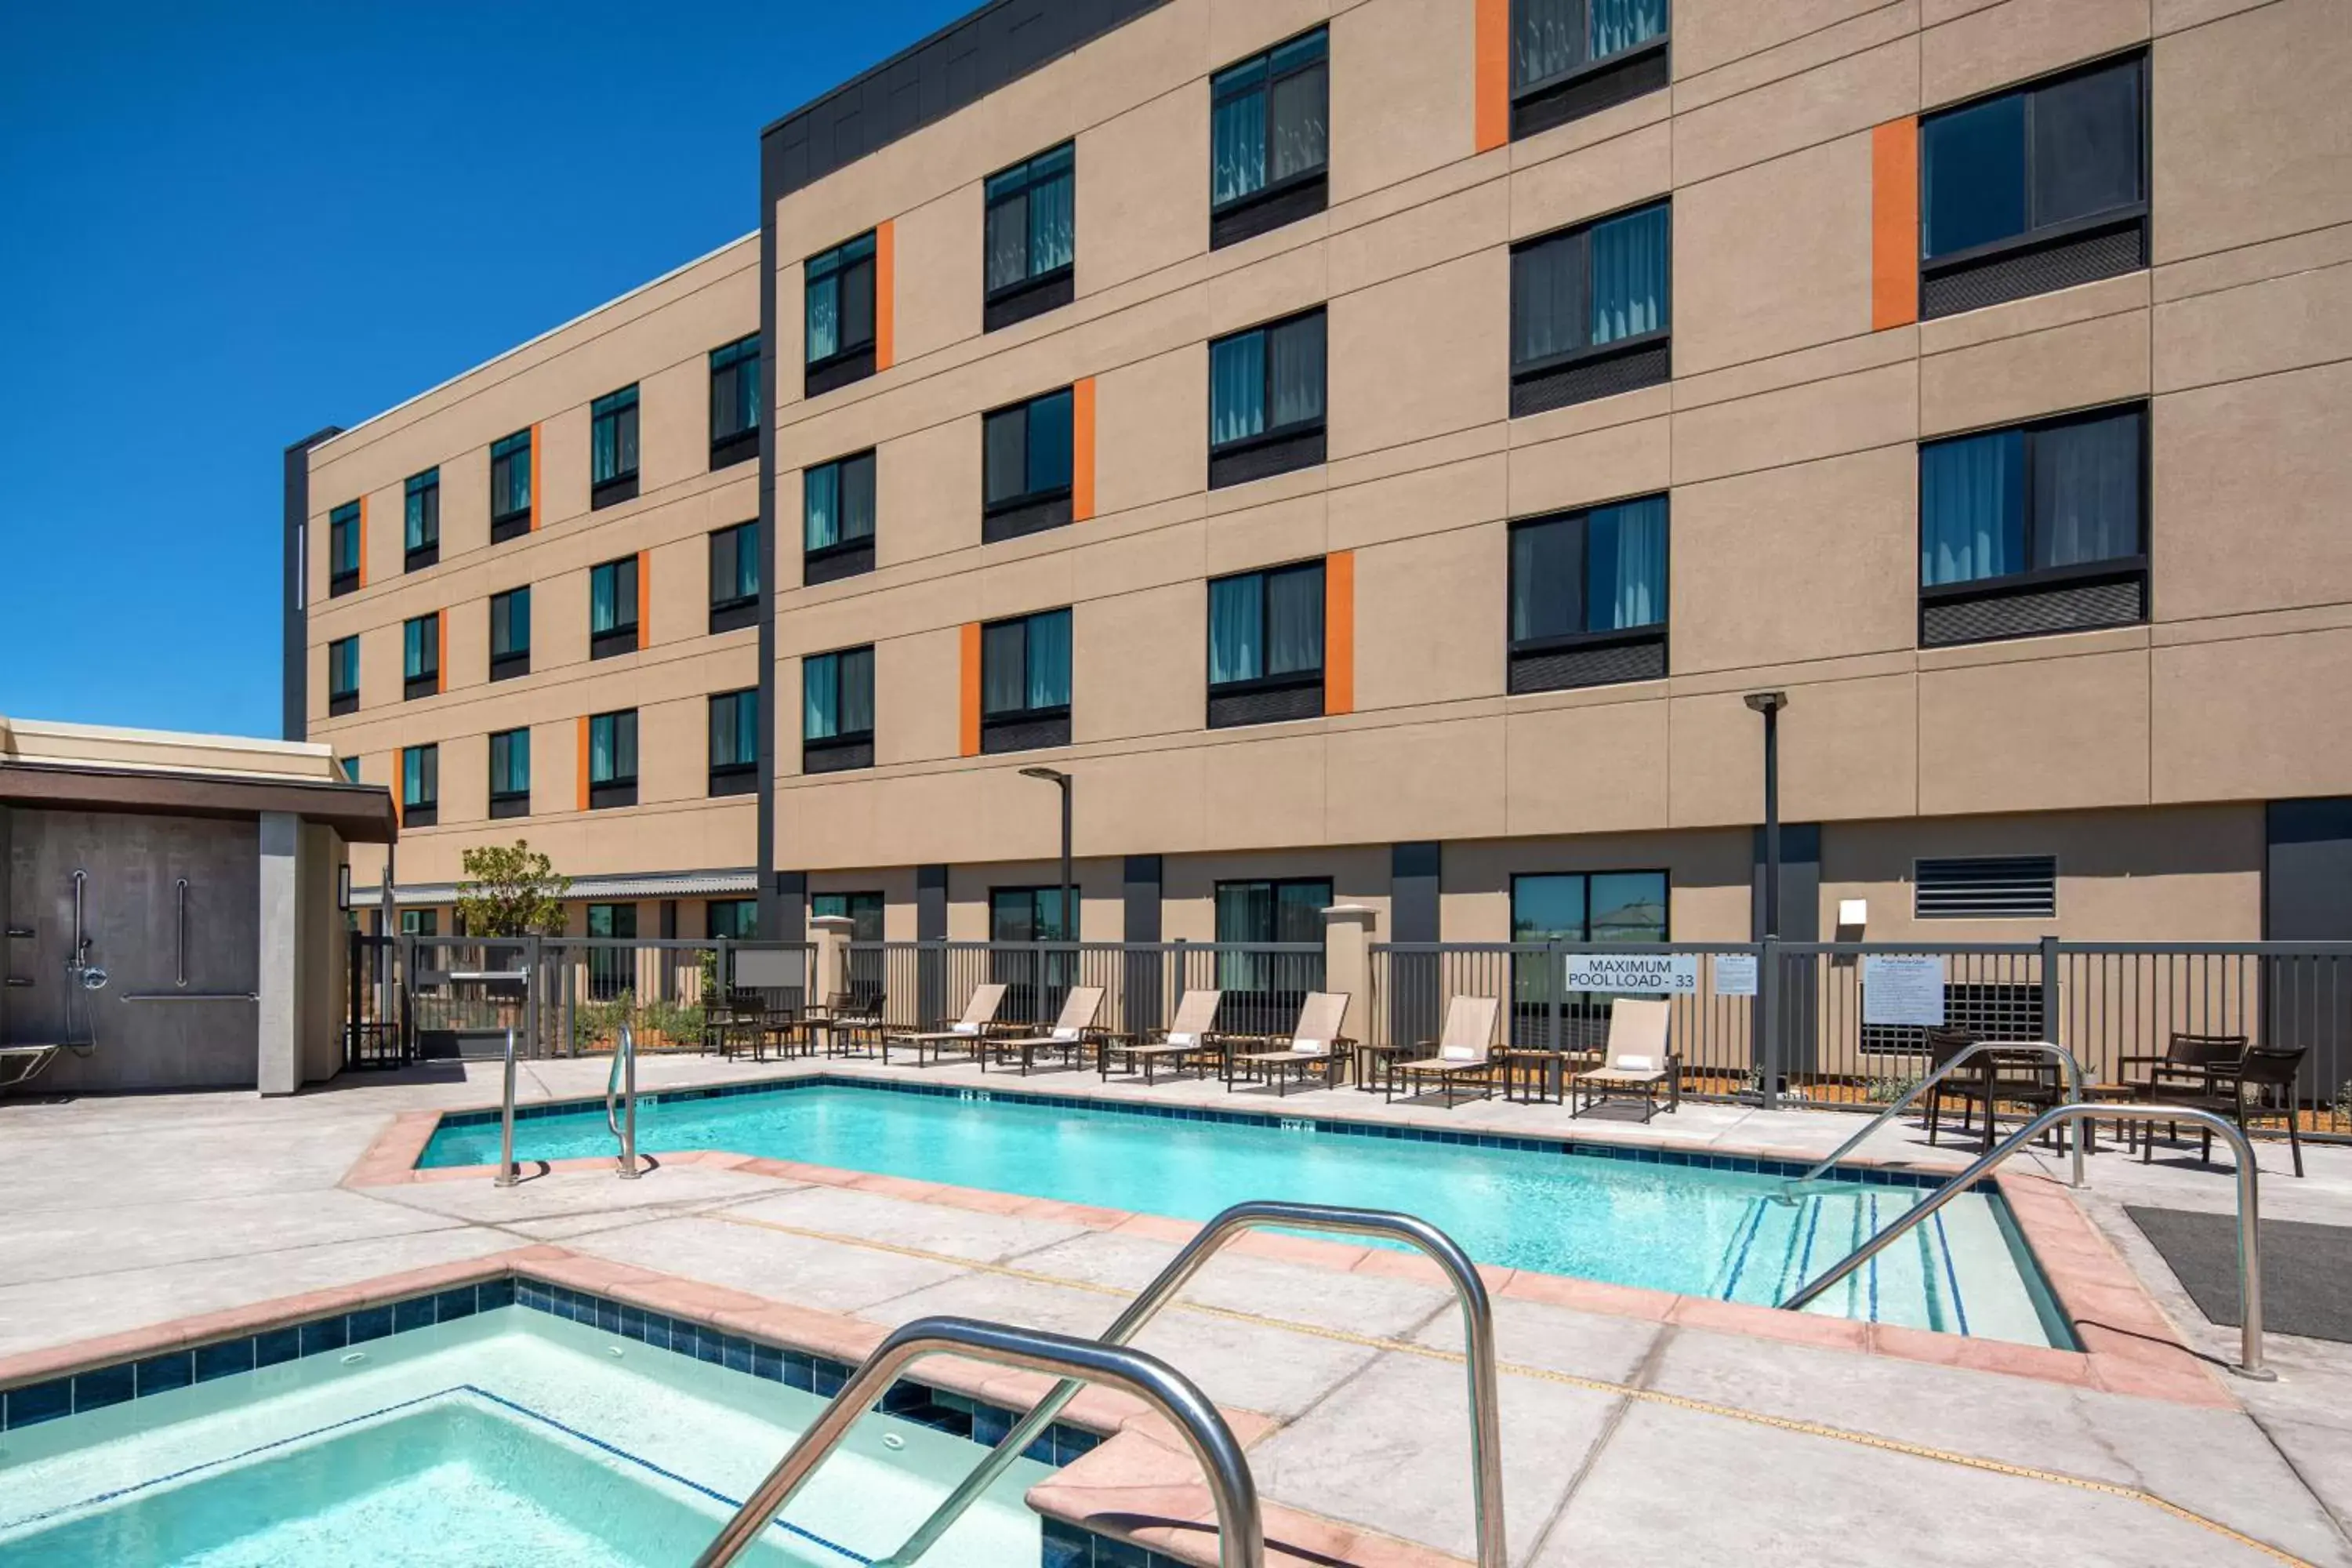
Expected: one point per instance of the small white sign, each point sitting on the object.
(1635, 974)
(1902, 989)
(1735, 975)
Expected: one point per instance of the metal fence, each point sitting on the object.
(925, 985)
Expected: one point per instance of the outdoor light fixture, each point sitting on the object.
(343, 886)
(1061, 780)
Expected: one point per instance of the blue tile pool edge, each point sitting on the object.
(1062, 1544)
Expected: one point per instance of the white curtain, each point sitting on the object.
(1971, 507)
(1629, 275)
(1236, 388)
(1236, 624)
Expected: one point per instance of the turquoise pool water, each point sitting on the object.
(1696, 1230)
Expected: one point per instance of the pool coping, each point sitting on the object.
(1139, 1483)
(2129, 1346)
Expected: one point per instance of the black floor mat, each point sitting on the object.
(2305, 1269)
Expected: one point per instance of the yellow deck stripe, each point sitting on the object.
(1594, 1384)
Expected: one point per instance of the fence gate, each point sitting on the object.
(375, 1025)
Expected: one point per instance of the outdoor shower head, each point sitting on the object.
(92, 977)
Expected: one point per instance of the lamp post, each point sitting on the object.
(1769, 704)
(1069, 905)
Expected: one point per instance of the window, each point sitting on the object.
(511, 487)
(735, 401)
(1265, 646)
(613, 759)
(511, 633)
(865, 911)
(734, 920)
(2042, 528)
(1266, 400)
(1264, 990)
(1576, 907)
(735, 742)
(1025, 456)
(420, 922)
(838, 294)
(613, 609)
(837, 710)
(2034, 190)
(1590, 315)
(1269, 132)
(1024, 682)
(1035, 983)
(1574, 58)
(837, 519)
(420, 657)
(343, 545)
(1587, 596)
(1986, 888)
(612, 970)
(511, 773)
(1031, 238)
(421, 519)
(350, 767)
(420, 785)
(735, 577)
(613, 448)
(344, 676)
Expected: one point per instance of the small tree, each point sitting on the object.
(512, 890)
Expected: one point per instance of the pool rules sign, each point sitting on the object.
(1635, 974)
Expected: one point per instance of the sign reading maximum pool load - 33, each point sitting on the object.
(1634, 974)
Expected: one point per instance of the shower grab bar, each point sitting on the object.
(1241, 1532)
(192, 996)
(2073, 1097)
(621, 1100)
(182, 923)
(1477, 1344)
(2250, 1240)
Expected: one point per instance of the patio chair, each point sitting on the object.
(1637, 1060)
(1943, 1044)
(2262, 1070)
(849, 1021)
(1189, 1035)
(2189, 1064)
(965, 1035)
(1465, 1049)
(1068, 1037)
(1315, 1042)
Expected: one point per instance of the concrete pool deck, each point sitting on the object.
(1627, 1437)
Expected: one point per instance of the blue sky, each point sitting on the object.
(228, 225)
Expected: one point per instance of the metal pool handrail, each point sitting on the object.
(621, 1100)
(2073, 1097)
(1240, 1533)
(2250, 1241)
(506, 1177)
(1478, 1347)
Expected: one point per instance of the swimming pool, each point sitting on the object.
(510, 1437)
(1698, 1226)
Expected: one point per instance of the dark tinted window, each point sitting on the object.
(1269, 121)
(2054, 154)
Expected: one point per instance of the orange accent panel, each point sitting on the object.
(884, 290)
(1082, 449)
(538, 479)
(362, 541)
(582, 775)
(399, 780)
(1493, 83)
(644, 599)
(1339, 632)
(968, 729)
(1894, 225)
(441, 653)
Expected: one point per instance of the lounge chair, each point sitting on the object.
(1068, 1036)
(1466, 1047)
(1637, 1061)
(965, 1035)
(1315, 1042)
(1190, 1036)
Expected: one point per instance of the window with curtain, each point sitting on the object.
(838, 294)
(1035, 983)
(1266, 400)
(1263, 984)
(420, 922)
(511, 773)
(2039, 188)
(510, 633)
(863, 909)
(1026, 461)
(1269, 134)
(837, 507)
(735, 920)
(734, 743)
(613, 609)
(735, 401)
(1031, 230)
(837, 710)
(2051, 516)
(421, 518)
(511, 487)
(612, 970)
(1587, 596)
(1265, 646)
(420, 779)
(1574, 58)
(613, 759)
(1024, 681)
(1590, 311)
(735, 576)
(343, 675)
(344, 549)
(1580, 907)
(420, 654)
(613, 447)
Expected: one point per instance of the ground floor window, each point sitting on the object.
(1263, 990)
(420, 922)
(737, 920)
(610, 969)
(1576, 906)
(863, 910)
